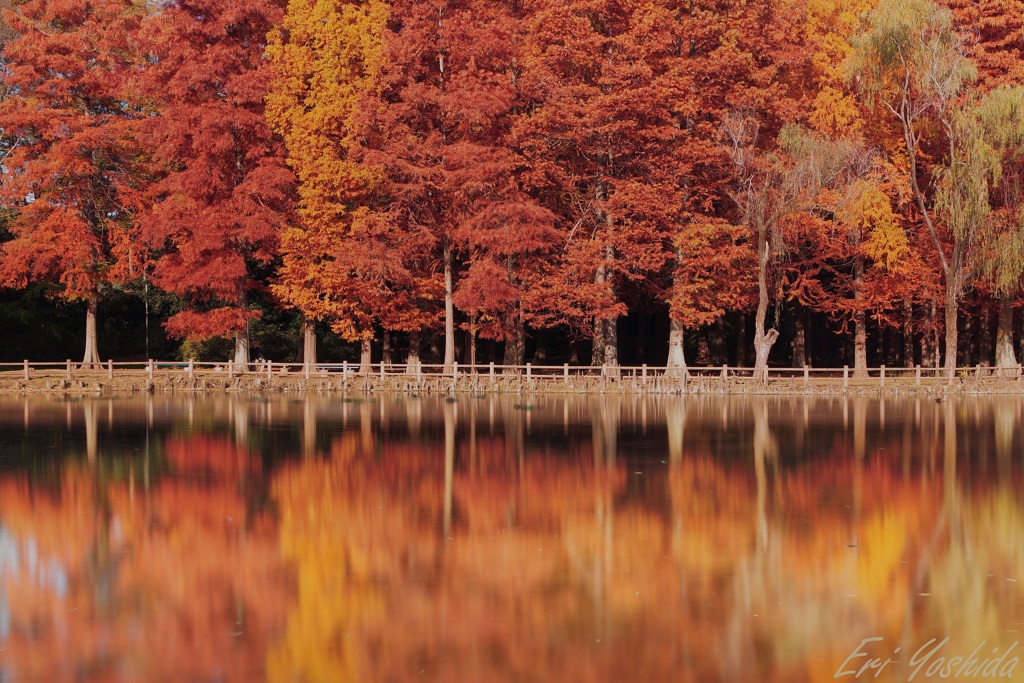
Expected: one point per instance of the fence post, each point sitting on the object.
(565, 373)
(455, 376)
(270, 369)
(381, 369)
(305, 369)
(882, 377)
(110, 368)
(529, 374)
(807, 376)
(231, 368)
(149, 369)
(725, 372)
(643, 373)
(68, 368)
(26, 370)
(344, 369)
(490, 370)
(846, 376)
(917, 375)
(191, 368)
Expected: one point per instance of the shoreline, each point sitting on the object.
(164, 382)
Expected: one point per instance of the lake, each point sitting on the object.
(230, 538)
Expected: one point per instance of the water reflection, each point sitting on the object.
(554, 539)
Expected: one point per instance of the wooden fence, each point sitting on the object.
(531, 375)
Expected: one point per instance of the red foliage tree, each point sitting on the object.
(437, 132)
(223, 191)
(70, 168)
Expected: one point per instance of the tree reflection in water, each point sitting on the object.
(540, 539)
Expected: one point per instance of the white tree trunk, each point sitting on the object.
(308, 340)
(676, 358)
(413, 362)
(92, 355)
(365, 355)
(449, 310)
(1005, 356)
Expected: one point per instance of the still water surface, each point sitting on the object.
(416, 539)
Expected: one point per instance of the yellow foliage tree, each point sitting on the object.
(326, 55)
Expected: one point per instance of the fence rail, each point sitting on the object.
(70, 370)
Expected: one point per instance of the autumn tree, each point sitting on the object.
(774, 186)
(913, 61)
(222, 191)
(70, 170)
(326, 56)
(997, 133)
(721, 59)
(605, 115)
(437, 120)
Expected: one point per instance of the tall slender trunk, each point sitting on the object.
(413, 362)
(308, 340)
(717, 341)
(449, 309)
(908, 334)
(472, 346)
(763, 340)
(365, 355)
(1005, 357)
(799, 356)
(952, 303)
(515, 344)
(611, 325)
(386, 351)
(92, 355)
(597, 355)
(242, 336)
(597, 347)
(676, 362)
(242, 347)
(860, 328)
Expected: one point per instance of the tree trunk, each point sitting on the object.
(413, 362)
(597, 347)
(386, 352)
(719, 354)
(908, 334)
(597, 354)
(515, 345)
(676, 362)
(92, 355)
(1005, 357)
(242, 348)
(763, 340)
(703, 348)
(952, 302)
(611, 345)
(308, 340)
(611, 325)
(366, 355)
(860, 328)
(799, 356)
(449, 310)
